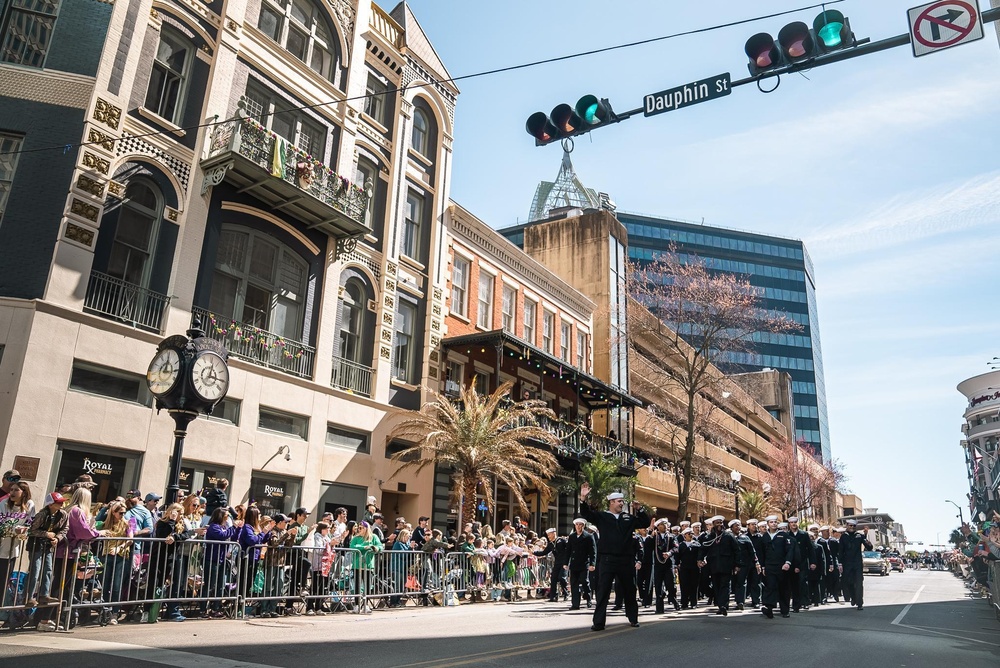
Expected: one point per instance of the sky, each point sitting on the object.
(884, 165)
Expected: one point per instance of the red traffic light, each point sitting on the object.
(796, 42)
(541, 128)
(566, 120)
(762, 52)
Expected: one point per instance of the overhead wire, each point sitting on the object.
(66, 148)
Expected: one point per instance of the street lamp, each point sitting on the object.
(188, 376)
(961, 517)
(736, 476)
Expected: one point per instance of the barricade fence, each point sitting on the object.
(994, 583)
(142, 578)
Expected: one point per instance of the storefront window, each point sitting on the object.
(274, 495)
(196, 476)
(113, 472)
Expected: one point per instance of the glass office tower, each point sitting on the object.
(781, 268)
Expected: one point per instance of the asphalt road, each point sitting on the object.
(912, 619)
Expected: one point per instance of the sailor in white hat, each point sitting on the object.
(803, 564)
(582, 547)
(755, 575)
(831, 582)
(559, 549)
(616, 551)
(852, 544)
(779, 553)
(721, 554)
(663, 547)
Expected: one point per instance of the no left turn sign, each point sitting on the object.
(940, 25)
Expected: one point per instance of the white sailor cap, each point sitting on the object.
(551, 529)
(675, 528)
(716, 518)
(793, 519)
(813, 526)
(825, 527)
(685, 523)
(695, 524)
(732, 522)
(839, 529)
(686, 530)
(771, 518)
(615, 495)
(662, 521)
(783, 525)
(850, 522)
(752, 521)
(579, 520)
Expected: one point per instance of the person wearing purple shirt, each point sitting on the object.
(217, 566)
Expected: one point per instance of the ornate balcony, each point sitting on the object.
(125, 302)
(258, 346)
(352, 377)
(285, 177)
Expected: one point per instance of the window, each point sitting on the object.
(483, 382)
(367, 172)
(460, 286)
(137, 224)
(508, 305)
(420, 139)
(530, 313)
(581, 350)
(454, 377)
(165, 95)
(281, 116)
(27, 31)
(300, 27)
(413, 226)
(485, 315)
(9, 147)
(377, 99)
(548, 325)
(287, 423)
(227, 410)
(404, 351)
(110, 383)
(259, 282)
(353, 320)
(565, 334)
(351, 440)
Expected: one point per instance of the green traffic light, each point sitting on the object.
(829, 27)
(590, 113)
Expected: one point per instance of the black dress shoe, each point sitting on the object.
(739, 606)
(595, 627)
(617, 607)
(724, 611)
(677, 606)
(574, 607)
(767, 612)
(634, 625)
(785, 615)
(860, 608)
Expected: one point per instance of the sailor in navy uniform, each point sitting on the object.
(779, 553)
(663, 547)
(616, 553)
(582, 550)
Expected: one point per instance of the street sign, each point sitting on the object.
(687, 94)
(940, 25)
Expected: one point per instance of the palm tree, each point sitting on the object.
(601, 473)
(480, 438)
(753, 503)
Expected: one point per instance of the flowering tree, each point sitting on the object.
(800, 483)
(702, 319)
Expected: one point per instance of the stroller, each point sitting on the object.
(87, 592)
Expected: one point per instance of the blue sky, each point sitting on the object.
(884, 165)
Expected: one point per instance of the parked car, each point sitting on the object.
(874, 562)
(897, 564)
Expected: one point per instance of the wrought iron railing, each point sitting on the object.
(257, 345)
(351, 376)
(253, 141)
(126, 302)
(579, 442)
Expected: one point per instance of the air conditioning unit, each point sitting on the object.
(452, 388)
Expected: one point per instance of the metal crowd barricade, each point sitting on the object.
(300, 578)
(29, 574)
(994, 583)
(139, 576)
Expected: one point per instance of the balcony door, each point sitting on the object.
(136, 231)
(355, 323)
(259, 282)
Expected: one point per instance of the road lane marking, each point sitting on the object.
(949, 635)
(902, 613)
(428, 662)
(62, 643)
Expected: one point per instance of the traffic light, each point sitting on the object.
(797, 42)
(566, 121)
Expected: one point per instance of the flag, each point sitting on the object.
(278, 157)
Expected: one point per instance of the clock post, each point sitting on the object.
(188, 377)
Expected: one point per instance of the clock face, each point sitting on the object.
(210, 376)
(163, 371)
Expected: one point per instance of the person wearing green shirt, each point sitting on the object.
(367, 545)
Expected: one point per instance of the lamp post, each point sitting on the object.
(188, 376)
(961, 517)
(736, 476)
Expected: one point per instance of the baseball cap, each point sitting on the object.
(279, 517)
(152, 496)
(12, 475)
(301, 510)
(133, 494)
(54, 497)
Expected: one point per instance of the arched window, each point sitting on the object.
(299, 26)
(168, 77)
(135, 233)
(420, 140)
(26, 29)
(259, 281)
(354, 322)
